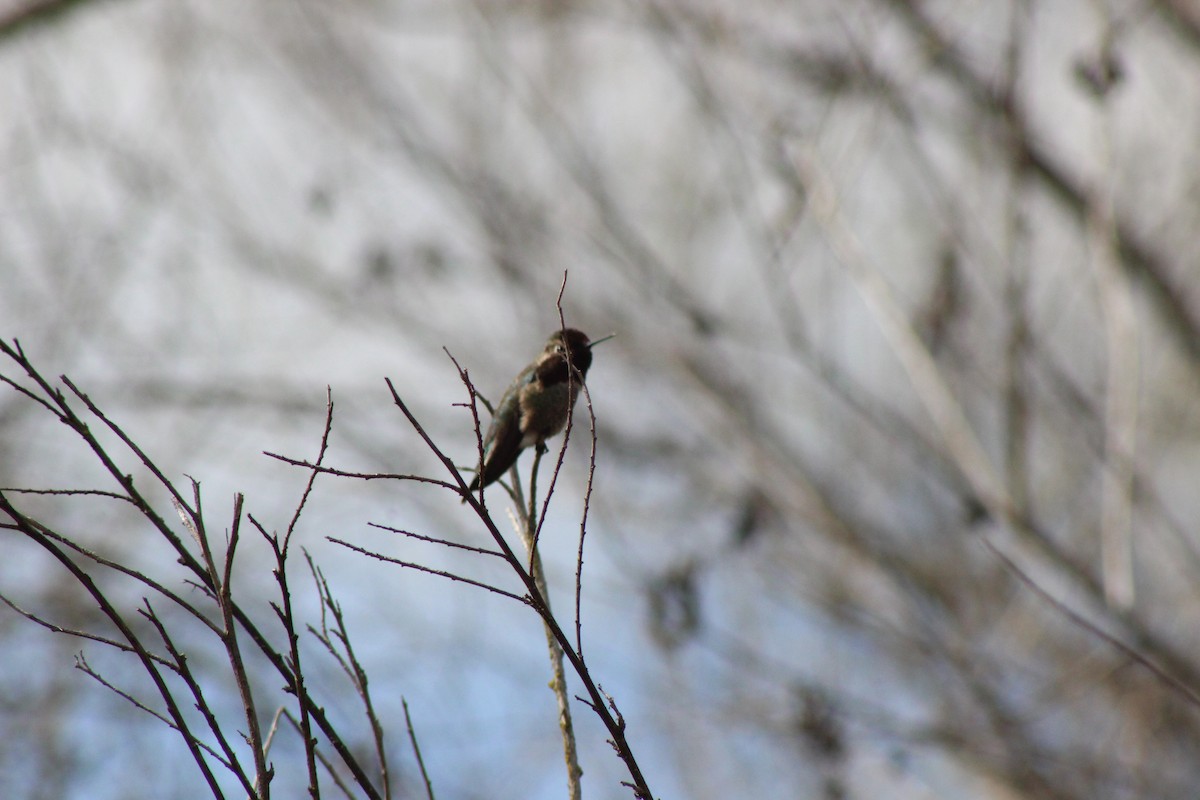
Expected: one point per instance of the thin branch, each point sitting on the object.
(22, 390)
(566, 439)
(262, 772)
(266, 748)
(322, 450)
(285, 612)
(474, 395)
(528, 526)
(470, 499)
(430, 570)
(412, 737)
(364, 476)
(281, 665)
(315, 711)
(140, 577)
(478, 502)
(324, 761)
(94, 637)
(351, 665)
(1122, 383)
(202, 705)
(133, 447)
(295, 674)
(587, 500)
(433, 539)
(83, 666)
(1179, 687)
(68, 492)
(63, 411)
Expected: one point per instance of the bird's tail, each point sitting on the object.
(499, 460)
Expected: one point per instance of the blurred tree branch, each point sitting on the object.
(37, 12)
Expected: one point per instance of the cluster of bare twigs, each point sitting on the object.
(149, 634)
(223, 615)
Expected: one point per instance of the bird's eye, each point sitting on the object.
(558, 348)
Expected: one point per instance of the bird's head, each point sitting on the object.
(576, 343)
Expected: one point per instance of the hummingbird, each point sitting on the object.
(537, 403)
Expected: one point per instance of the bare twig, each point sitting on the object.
(133, 448)
(412, 738)
(68, 492)
(364, 476)
(137, 575)
(474, 394)
(270, 738)
(349, 664)
(435, 540)
(1122, 385)
(285, 612)
(572, 376)
(587, 501)
(56, 628)
(312, 478)
(323, 761)
(1176, 685)
(430, 570)
(262, 772)
(527, 527)
(83, 666)
(295, 674)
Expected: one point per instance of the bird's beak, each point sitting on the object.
(601, 339)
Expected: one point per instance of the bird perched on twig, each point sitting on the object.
(537, 404)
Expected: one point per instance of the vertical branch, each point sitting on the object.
(412, 737)
(263, 773)
(562, 450)
(597, 700)
(1016, 455)
(529, 526)
(220, 580)
(943, 408)
(284, 609)
(1121, 342)
(295, 674)
(321, 450)
(587, 502)
(349, 664)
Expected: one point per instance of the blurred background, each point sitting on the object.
(894, 282)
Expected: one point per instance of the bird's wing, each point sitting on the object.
(502, 444)
(502, 454)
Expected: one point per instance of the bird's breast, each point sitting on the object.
(544, 410)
